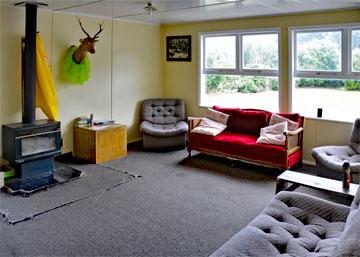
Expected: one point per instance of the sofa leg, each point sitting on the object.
(232, 163)
(189, 152)
(300, 164)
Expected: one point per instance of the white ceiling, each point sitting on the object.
(174, 11)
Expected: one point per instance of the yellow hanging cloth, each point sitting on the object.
(46, 97)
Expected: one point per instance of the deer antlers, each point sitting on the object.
(87, 34)
(87, 44)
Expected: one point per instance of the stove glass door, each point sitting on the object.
(38, 144)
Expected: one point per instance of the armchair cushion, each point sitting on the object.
(164, 130)
(163, 110)
(333, 157)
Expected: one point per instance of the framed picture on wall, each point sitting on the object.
(178, 48)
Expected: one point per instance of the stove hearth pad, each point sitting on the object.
(29, 185)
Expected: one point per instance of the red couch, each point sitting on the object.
(239, 139)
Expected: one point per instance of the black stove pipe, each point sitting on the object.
(29, 89)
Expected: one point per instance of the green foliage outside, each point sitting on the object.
(232, 84)
(213, 83)
(319, 55)
(227, 84)
(319, 83)
(349, 85)
(316, 51)
(352, 85)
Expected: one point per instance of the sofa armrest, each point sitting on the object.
(293, 133)
(193, 122)
(293, 141)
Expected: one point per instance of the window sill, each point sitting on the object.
(330, 120)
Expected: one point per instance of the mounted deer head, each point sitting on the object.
(86, 44)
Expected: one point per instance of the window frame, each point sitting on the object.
(257, 72)
(354, 73)
(320, 73)
(346, 57)
(222, 70)
(346, 52)
(202, 71)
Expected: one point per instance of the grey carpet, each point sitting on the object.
(177, 208)
(94, 179)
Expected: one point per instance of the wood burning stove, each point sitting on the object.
(30, 148)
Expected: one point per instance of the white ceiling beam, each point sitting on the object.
(272, 7)
(78, 5)
(183, 8)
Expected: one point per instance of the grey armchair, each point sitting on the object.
(163, 123)
(329, 159)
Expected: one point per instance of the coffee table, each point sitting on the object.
(300, 179)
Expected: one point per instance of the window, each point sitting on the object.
(240, 69)
(318, 51)
(325, 71)
(260, 51)
(220, 52)
(355, 50)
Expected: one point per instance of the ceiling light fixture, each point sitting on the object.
(150, 8)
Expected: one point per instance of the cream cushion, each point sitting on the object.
(209, 127)
(275, 119)
(217, 116)
(273, 135)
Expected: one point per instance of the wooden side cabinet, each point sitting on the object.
(98, 144)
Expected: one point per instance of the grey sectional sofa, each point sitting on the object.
(295, 224)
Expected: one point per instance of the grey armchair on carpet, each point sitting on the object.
(329, 159)
(163, 123)
(295, 224)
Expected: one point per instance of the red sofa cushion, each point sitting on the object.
(268, 114)
(249, 122)
(230, 111)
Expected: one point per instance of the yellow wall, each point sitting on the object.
(125, 69)
(136, 71)
(181, 79)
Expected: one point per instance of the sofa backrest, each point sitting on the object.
(163, 110)
(349, 242)
(250, 121)
(230, 111)
(355, 205)
(355, 136)
(292, 116)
